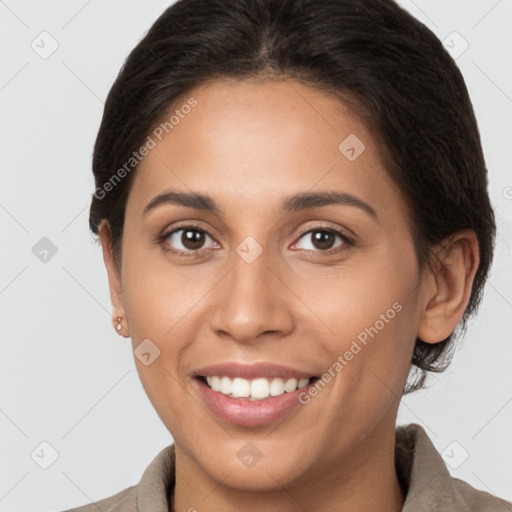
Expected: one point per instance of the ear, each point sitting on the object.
(114, 275)
(448, 287)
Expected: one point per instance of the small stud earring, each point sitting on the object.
(119, 318)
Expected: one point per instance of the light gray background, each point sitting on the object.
(67, 378)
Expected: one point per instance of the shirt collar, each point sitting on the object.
(422, 473)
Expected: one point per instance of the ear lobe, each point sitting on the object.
(114, 275)
(448, 287)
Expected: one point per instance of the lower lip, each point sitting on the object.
(249, 413)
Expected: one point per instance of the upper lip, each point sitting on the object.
(251, 371)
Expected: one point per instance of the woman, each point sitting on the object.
(291, 199)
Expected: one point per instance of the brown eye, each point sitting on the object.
(192, 239)
(187, 239)
(323, 240)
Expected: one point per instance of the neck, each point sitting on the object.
(362, 480)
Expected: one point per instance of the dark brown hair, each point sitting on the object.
(372, 54)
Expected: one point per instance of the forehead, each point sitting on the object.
(251, 142)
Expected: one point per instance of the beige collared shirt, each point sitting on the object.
(422, 472)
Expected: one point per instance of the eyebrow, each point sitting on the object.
(297, 202)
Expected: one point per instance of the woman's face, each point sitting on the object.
(267, 280)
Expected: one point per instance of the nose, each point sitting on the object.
(252, 301)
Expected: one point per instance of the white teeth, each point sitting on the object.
(276, 387)
(302, 383)
(256, 389)
(260, 388)
(241, 387)
(290, 385)
(225, 385)
(215, 383)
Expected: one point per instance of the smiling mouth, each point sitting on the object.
(260, 388)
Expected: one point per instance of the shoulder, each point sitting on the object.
(427, 481)
(151, 493)
(123, 501)
(474, 500)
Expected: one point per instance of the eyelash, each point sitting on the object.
(347, 241)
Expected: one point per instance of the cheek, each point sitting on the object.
(154, 307)
(158, 295)
(372, 317)
(361, 297)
